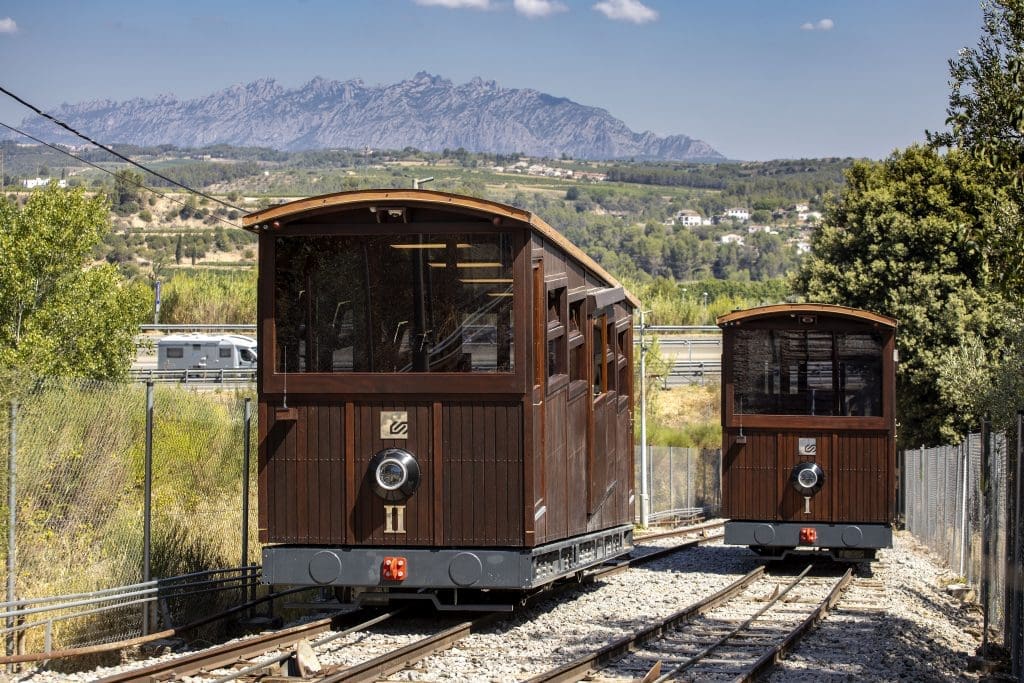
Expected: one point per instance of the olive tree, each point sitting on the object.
(900, 241)
(60, 314)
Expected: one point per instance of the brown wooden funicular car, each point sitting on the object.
(808, 430)
(445, 393)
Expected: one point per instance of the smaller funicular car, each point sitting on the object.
(808, 430)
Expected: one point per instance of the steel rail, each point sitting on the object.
(231, 653)
(678, 532)
(264, 664)
(772, 657)
(577, 669)
(389, 663)
(686, 664)
(623, 565)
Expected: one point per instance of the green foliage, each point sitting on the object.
(210, 297)
(986, 114)
(695, 435)
(127, 191)
(57, 315)
(986, 103)
(899, 242)
(684, 303)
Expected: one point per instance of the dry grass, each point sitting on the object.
(685, 416)
(680, 406)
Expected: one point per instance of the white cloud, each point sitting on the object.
(456, 4)
(538, 8)
(823, 25)
(626, 10)
(7, 25)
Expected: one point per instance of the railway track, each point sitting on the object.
(736, 634)
(298, 650)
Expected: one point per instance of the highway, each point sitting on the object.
(694, 359)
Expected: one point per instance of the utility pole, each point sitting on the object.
(645, 503)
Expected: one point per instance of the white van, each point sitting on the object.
(206, 352)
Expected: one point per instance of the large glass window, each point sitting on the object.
(394, 303)
(807, 372)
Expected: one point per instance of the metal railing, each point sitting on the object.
(199, 327)
(195, 375)
(174, 597)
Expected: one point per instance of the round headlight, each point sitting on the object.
(807, 478)
(391, 474)
(394, 474)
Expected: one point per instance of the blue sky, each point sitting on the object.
(756, 79)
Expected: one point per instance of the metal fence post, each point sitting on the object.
(1015, 615)
(986, 528)
(12, 519)
(645, 503)
(246, 432)
(672, 479)
(147, 503)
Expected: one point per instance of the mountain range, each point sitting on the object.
(427, 112)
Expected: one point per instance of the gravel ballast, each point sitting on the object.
(915, 631)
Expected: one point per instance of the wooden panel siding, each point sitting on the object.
(482, 464)
(304, 458)
(577, 469)
(749, 483)
(857, 467)
(558, 496)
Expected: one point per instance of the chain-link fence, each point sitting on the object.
(683, 481)
(964, 502)
(75, 506)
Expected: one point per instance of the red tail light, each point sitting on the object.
(808, 535)
(394, 569)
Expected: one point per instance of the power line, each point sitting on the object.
(108, 171)
(65, 126)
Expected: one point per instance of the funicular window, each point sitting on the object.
(394, 303)
(597, 344)
(577, 349)
(807, 372)
(557, 369)
(622, 360)
(609, 357)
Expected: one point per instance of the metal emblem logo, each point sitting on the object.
(807, 446)
(394, 519)
(394, 424)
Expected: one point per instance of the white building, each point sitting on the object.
(731, 238)
(738, 214)
(688, 218)
(33, 183)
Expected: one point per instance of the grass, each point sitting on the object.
(80, 451)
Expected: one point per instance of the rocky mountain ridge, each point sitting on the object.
(427, 112)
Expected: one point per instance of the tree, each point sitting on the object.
(58, 314)
(126, 189)
(986, 116)
(899, 242)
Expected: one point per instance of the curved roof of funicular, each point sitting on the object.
(781, 310)
(282, 214)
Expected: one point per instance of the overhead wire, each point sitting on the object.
(108, 171)
(85, 137)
